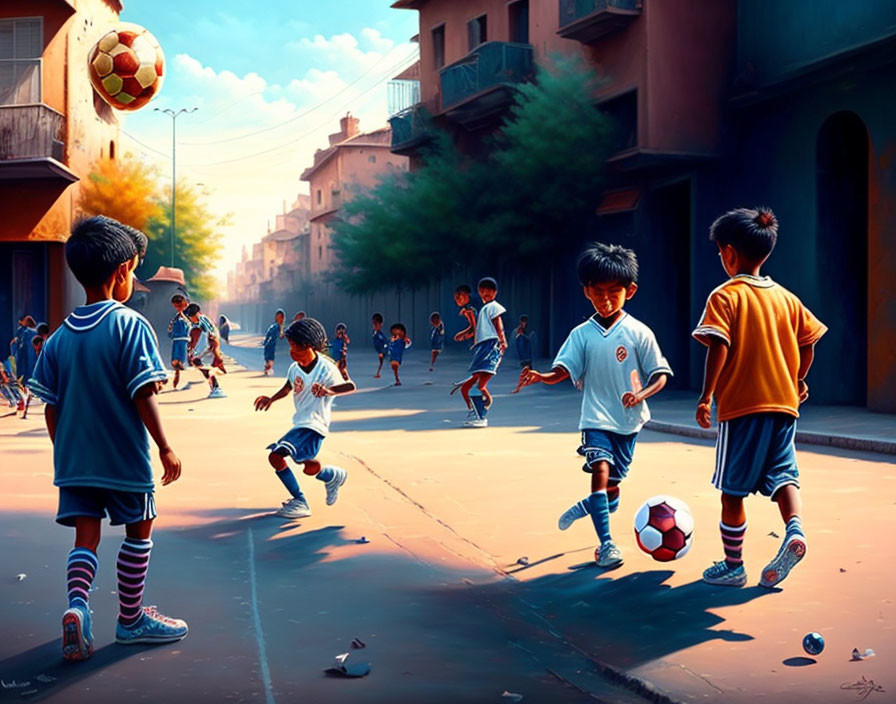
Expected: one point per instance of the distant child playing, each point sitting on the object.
(313, 380)
(380, 341)
(179, 332)
(339, 349)
(618, 364)
(203, 324)
(488, 350)
(436, 337)
(523, 340)
(99, 434)
(397, 345)
(761, 343)
(271, 337)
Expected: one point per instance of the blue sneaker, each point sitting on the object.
(792, 551)
(77, 635)
(721, 573)
(152, 627)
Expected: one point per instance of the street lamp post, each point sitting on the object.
(174, 114)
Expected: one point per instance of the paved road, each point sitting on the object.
(437, 594)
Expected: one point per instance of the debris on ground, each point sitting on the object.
(523, 561)
(362, 540)
(358, 643)
(842, 570)
(774, 535)
(861, 655)
(341, 669)
(512, 696)
(45, 678)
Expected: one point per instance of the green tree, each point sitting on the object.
(198, 240)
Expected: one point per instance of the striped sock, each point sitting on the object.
(613, 498)
(289, 480)
(79, 573)
(599, 508)
(325, 474)
(794, 527)
(133, 562)
(733, 542)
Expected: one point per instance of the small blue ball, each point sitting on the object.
(813, 643)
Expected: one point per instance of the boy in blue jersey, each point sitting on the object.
(399, 343)
(99, 432)
(339, 349)
(618, 364)
(489, 345)
(179, 332)
(380, 342)
(313, 381)
(522, 338)
(273, 334)
(436, 337)
(201, 323)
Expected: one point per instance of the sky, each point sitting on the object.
(271, 80)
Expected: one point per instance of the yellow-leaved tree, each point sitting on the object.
(124, 189)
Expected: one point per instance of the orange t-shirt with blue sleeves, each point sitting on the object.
(764, 326)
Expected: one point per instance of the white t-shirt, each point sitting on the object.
(485, 328)
(313, 412)
(606, 364)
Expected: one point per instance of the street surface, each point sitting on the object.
(438, 596)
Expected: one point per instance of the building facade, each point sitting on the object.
(53, 127)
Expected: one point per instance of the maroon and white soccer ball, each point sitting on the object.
(126, 67)
(664, 528)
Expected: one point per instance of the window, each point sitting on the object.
(438, 46)
(371, 159)
(21, 45)
(518, 16)
(320, 252)
(623, 112)
(112, 150)
(477, 31)
(318, 196)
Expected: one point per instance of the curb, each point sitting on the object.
(846, 442)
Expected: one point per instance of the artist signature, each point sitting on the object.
(863, 688)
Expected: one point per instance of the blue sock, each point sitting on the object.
(614, 504)
(599, 508)
(795, 527)
(325, 474)
(290, 482)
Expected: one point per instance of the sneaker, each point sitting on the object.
(217, 392)
(339, 477)
(294, 508)
(571, 515)
(472, 415)
(792, 551)
(152, 627)
(721, 573)
(608, 555)
(77, 635)
(476, 423)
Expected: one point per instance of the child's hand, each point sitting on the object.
(704, 412)
(171, 465)
(803, 390)
(319, 390)
(631, 399)
(527, 378)
(502, 345)
(263, 403)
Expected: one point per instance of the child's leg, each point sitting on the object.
(465, 389)
(77, 636)
(285, 475)
(133, 564)
(343, 368)
(380, 367)
(733, 527)
(793, 547)
(613, 495)
(395, 366)
(176, 375)
(332, 477)
(432, 361)
(482, 380)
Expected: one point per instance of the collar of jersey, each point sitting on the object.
(760, 281)
(606, 332)
(87, 317)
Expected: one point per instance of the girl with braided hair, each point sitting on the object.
(313, 380)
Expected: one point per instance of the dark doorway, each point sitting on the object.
(23, 288)
(841, 250)
(666, 276)
(518, 14)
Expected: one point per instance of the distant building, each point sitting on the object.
(353, 161)
(53, 127)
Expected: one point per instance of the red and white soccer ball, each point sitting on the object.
(126, 67)
(664, 528)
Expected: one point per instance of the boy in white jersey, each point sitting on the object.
(313, 380)
(617, 363)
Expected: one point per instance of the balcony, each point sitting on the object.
(587, 21)
(31, 143)
(411, 129)
(480, 86)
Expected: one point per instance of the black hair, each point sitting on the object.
(463, 288)
(280, 311)
(398, 326)
(377, 317)
(96, 248)
(192, 310)
(43, 329)
(752, 232)
(141, 241)
(489, 283)
(179, 295)
(28, 320)
(435, 314)
(308, 333)
(607, 263)
(37, 340)
(340, 325)
(524, 318)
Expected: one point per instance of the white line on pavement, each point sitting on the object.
(259, 634)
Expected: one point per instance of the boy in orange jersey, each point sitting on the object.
(761, 342)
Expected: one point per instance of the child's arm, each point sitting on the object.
(630, 398)
(148, 410)
(470, 330)
(555, 376)
(348, 340)
(320, 390)
(716, 356)
(807, 356)
(50, 419)
(263, 403)
(499, 327)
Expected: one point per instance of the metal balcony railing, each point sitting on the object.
(574, 10)
(31, 132)
(488, 66)
(588, 20)
(410, 126)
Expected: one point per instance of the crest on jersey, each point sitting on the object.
(298, 386)
(621, 354)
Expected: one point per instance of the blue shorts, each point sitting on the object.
(269, 353)
(301, 444)
(607, 446)
(755, 453)
(438, 345)
(486, 357)
(179, 351)
(122, 507)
